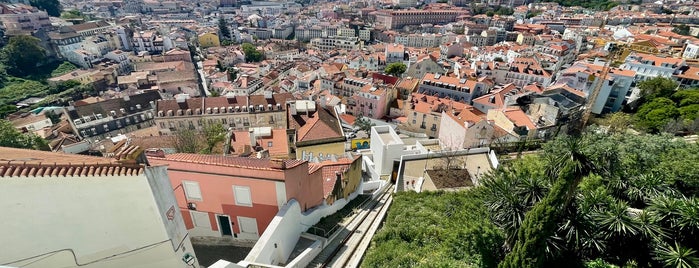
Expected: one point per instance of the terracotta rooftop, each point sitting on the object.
(519, 118)
(238, 162)
(319, 125)
(30, 163)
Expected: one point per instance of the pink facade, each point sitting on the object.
(371, 101)
(270, 184)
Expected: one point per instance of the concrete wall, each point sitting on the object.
(278, 241)
(451, 133)
(336, 148)
(93, 217)
(286, 228)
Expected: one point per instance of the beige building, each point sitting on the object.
(238, 113)
(22, 19)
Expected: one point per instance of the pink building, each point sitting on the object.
(237, 196)
(371, 101)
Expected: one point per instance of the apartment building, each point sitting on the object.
(147, 41)
(108, 118)
(437, 14)
(22, 19)
(316, 130)
(404, 3)
(371, 101)
(613, 94)
(459, 90)
(649, 66)
(424, 112)
(326, 44)
(237, 197)
(236, 112)
(351, 85)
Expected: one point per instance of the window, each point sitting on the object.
(242, 196)
(192, 190)
(200, 219)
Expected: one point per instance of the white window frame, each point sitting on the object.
(193, 194)
(236, 194)
(192, 214)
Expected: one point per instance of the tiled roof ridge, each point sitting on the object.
(288, 162)
(23, 169)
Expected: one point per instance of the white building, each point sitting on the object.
(336, 42)
(65, 210)
(691, 51)
(613, 94)
(649, 66)
(405, 3)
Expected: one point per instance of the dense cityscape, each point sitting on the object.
(395, 133)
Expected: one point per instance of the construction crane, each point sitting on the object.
(614, 51)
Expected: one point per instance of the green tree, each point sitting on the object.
(64, 68)
(52, 7)
(6, 110)
(656, 88)
(223, 28)
(213, 134)
(396, 68)
(539, 224)
(187, 141)
(363, 124)
(22, 54)
(617, 122)
(251, 53)
(677, 256)
(11, 137)
(681, 29)
(656, 114)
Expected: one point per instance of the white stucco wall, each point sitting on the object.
(93, 217)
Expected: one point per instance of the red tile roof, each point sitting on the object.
(319, 125)
(329, 171)
(239, 162)
(31, 163)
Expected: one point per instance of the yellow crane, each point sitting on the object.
(614, 51)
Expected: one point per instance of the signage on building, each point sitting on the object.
(360, 144)
(170, 213)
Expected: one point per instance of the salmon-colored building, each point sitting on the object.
(237, 196)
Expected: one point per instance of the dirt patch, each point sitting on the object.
(452, 178)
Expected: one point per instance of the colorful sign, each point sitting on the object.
(360, 143)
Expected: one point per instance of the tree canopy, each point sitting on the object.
(396, 68)
(363, 124)
(223, 28)
(22, 54)
(664, 108)
(52, 7)
(251, 53)
(637, 207)
(11, 137)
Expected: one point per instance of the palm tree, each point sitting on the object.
(677, 256)
(569, 166)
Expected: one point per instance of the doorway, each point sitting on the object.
(224, 224)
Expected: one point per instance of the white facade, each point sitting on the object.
(93, 221)
(691, 51)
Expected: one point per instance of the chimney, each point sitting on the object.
(277, 163)
(323, 101)
(253, 138)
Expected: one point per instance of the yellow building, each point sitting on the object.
(209, 39)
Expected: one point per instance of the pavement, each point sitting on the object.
(209, 254)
